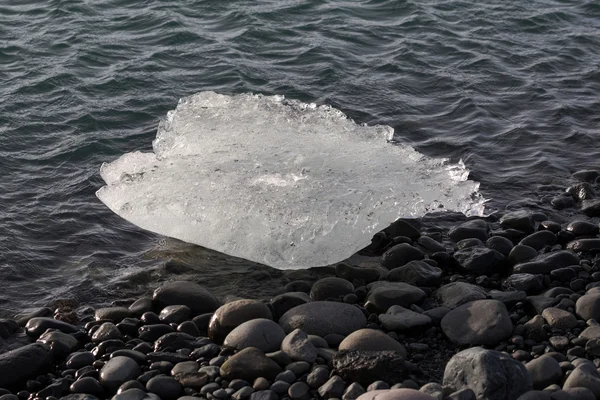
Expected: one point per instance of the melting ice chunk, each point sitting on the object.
(278, 181)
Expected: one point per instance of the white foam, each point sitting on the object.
(277, 181)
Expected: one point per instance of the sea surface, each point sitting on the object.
(510, 87)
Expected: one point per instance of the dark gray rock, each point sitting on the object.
(537, 304)
(112, 314)
(586, 175)
(588, 306)
(481, 322)
(106, 331)
(561, 319)
(264, 395)
(36, 326)
(403, 228)
(61, 344)
(195, 380)
(398, 319)
(324, 317)
(231, 315)
(297, 345)
(371, 340)
(150, 333)
(353, 392)
(528, 283)
(382, 295)
(165, 387)
(458, 293)
(583, 228)
(586, 376)
(509, 298)
(333, 388)
(539, 240)
(430, 244)
(87, 385)
(546, 263)
(175, 314)
(520, 220)
(584, 245)
(366, 367)
(299, 391)
(437, 314)
(178, 340)
(563, 274)
(117, 371)
(591, 208)
(490, 374)
(137, 356)
(330, 287)
(477, 228)
(286, 301)
(196, 297)
(264, 334)
(399, 255)
(249, 364)
(317, 377)
(520, 254)
(351, 273)
(544, 371)
(501, 244)
(480, 260)
(140, 306)
(418, 273)
(24, 362)
(80, 360)
(468, 243)
(23, 318)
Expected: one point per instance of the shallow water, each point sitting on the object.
(510, 87)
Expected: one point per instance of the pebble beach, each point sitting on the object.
(501, 307)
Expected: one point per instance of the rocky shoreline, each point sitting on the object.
(487, 308)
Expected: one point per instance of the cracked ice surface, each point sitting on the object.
(277, 181)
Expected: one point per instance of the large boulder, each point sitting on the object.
(400, 254)
(330, 287)
(382, 295)
(458, 293)
(418, 273)
(196, 297)
(231, 315)
(24, 362)
(492, 375)
(480, 260)
(366, 367)
(322, 318)
(263, 334)
(249, 364)
(481, 322)
(371, 340)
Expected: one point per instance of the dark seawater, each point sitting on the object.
(511, 87)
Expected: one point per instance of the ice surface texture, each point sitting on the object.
(278, 181)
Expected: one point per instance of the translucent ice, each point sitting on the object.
(277, 181)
